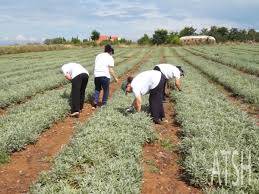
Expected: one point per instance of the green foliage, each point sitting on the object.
(160, 37)
(58, 40)
(4, 157)
(75, 40)
(173, 38)
(95, 35)
(167, 144)
(187, 31)
(145, 40)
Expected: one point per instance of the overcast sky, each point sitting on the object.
(35, 20)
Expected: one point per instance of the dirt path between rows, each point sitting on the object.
(25, 166)
(162, 173)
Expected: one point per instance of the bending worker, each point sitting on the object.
(170, 72)
(103, 70)
(78, 76)
(151, 82)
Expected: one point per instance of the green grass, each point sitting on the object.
(167, 144)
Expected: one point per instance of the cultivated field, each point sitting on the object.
(209, 146)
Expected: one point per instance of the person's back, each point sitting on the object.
(102, 63)
(170, 71)
(145, 81)
(74, 69)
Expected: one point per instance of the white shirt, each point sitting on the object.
(102, 63)
(145, 81)
(74, 69)
(170, 71)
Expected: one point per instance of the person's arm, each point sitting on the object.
(113, 74)
(137, 103)
(178, 84)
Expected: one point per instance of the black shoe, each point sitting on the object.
(94, 106)
(157, 121)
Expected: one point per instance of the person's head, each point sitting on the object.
(181, 70)
(127, 85)
(108, 49)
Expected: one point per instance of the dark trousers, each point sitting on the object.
(158, 69)
(101, 83)
(79, 84)
(156, 100)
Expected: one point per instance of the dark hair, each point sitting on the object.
(129, 79)
(181, 70)
(108, 49)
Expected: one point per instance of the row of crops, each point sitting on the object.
(239, 59)
(219, 142)
(218, 138)
(43, 76)
(104, 155)
(23, 124)
(243, 85)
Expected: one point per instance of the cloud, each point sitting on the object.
(127, 18)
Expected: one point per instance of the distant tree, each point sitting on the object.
(187, 31)
(95, 35)
(144, 40)
(85, 40)
(220, 33)
(58, 40)
(257, 37)
(233, 34)
(204, 31)
(251, 34)
(75, 40)
(173, 38)
(160, 37)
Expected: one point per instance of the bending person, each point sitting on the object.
(170, 72)
(78, 76)
(151, 82)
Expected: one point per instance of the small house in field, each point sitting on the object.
(196, 40)
(108, 38)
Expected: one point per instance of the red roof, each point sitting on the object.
(105, 37)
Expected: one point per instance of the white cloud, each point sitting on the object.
(20, 38)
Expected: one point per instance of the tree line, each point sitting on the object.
(163, 36)
(222, 34)
(90, 41)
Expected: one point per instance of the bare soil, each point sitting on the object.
(162, 172)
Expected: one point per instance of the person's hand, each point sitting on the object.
(68, 77)
(130, 109)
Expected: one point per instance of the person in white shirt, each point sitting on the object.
(151, 82)
(78, 76)
(103, 69)
(170, 72)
